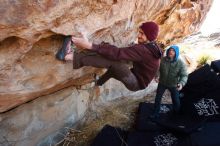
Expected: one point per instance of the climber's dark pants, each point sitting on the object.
(115, 69)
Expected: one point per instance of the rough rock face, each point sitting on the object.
(37, 73)
(32, 32)
(28, 68)
(43, 121)
(26, 125)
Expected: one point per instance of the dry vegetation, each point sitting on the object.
(119, 113)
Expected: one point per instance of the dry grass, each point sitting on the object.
(204, 59)
(119, 113)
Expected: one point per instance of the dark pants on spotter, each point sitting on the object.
(174, 96)
(115, 69)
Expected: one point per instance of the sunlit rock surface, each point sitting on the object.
(32, 31)
(28, 67)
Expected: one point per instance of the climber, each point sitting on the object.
(172, 76)
(145, 57)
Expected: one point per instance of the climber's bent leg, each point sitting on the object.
(116, 69)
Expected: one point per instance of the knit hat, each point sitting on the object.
(150, 29)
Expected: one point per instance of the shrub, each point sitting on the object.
(204, 59)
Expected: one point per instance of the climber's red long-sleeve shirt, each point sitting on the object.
(145, 58)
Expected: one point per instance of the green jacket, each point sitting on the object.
(172, 72)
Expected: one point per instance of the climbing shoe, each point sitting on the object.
(60, 55)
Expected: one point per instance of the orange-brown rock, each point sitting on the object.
(31, 34)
